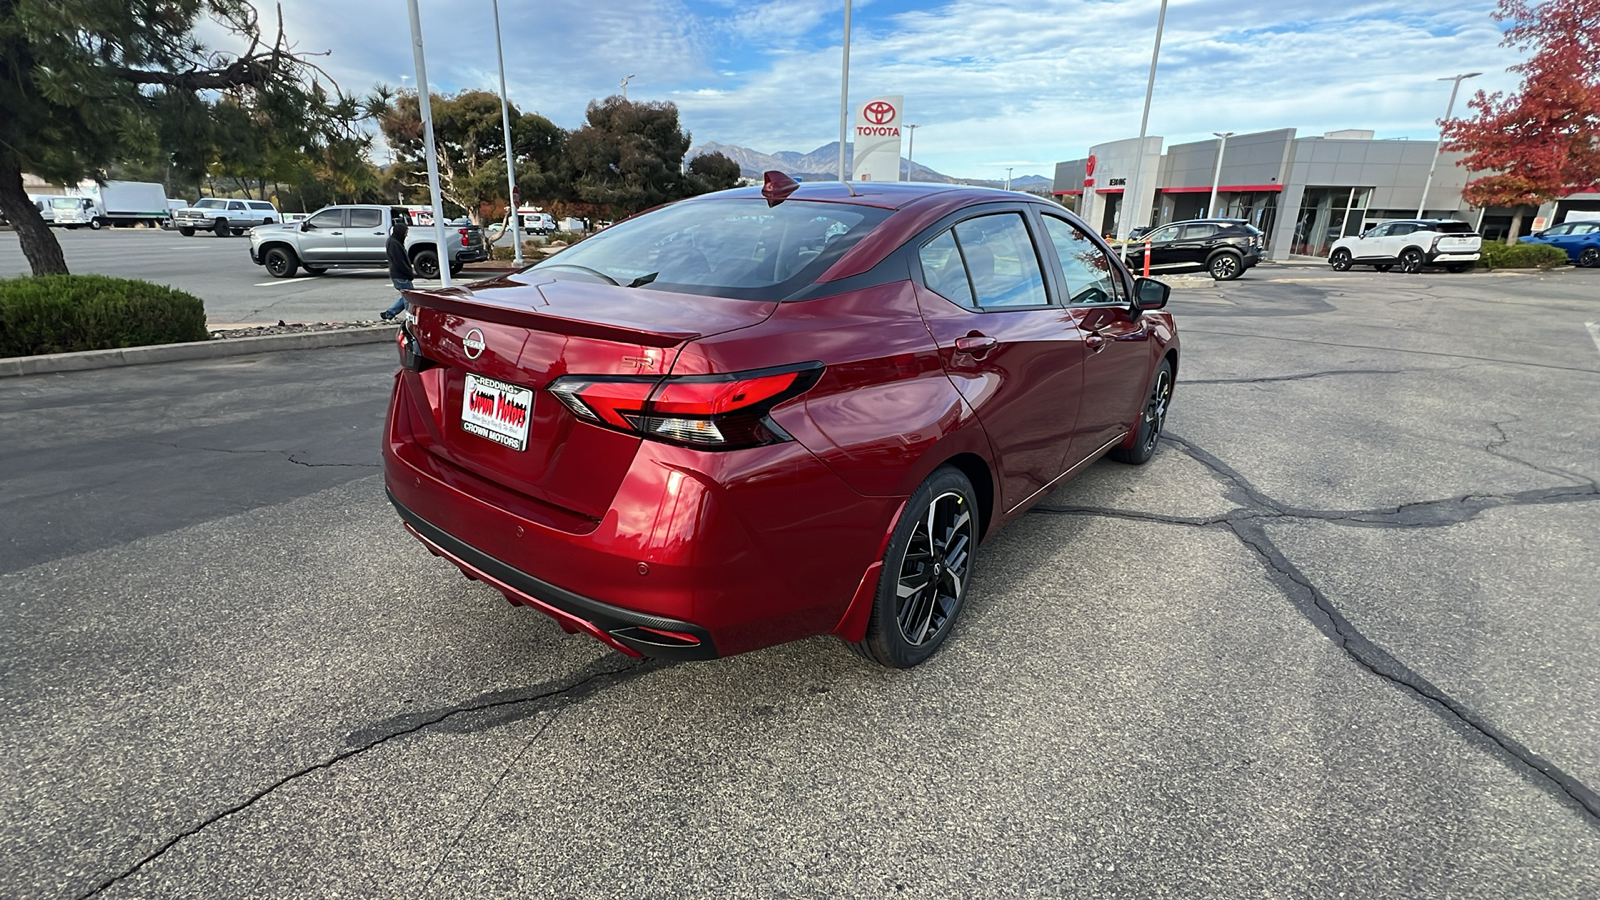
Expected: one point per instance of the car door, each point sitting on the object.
(1398, 236)
(1160, 243)
(366, 231)
(322, 237)
(1014, 354)
(1117, 367)
(1194, 244)
(1370, 244)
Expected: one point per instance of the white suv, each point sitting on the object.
(1409, 244)
(224, 216)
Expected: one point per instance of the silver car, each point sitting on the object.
(354, 237)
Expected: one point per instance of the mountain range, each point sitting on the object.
(822, 164)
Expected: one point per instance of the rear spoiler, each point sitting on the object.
(464, 302)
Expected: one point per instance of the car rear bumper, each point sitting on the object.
(1454, 257)
(700, 554)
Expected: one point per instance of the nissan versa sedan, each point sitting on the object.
(1581, 241)
(772, 412)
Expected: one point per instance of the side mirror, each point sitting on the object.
(306, 225)
(1149, 294)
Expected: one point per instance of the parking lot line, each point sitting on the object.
(281, 281)
(1594, 333)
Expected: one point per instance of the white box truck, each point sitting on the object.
(118, 203)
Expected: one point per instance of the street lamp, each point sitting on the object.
(625, 80)
(1130, 196)
(427, 144)
(1216, 178)
(911, 153)
(1008, 177)
(1423, 202)
(505, 120)
(844, 94)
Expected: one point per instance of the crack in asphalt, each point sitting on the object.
(288, 455)
(572, 691)
(1247, 525)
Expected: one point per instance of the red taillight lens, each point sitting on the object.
(463, 237)
(713, 412)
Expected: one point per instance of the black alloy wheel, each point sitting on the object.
(1589, 258)
(927, 569)
(1411, 261)
(426, 264)
(1151, 421)
(1383, 267)
(1226, 266)
(280, 262)
(220, 227)
(1340, 260)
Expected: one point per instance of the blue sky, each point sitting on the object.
(991, 83)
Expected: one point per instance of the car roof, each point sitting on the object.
(882, 194)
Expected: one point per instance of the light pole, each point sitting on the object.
(1130, 197)
(1008, 177)
(911, 153)
(1216, 178)
(1423, 202)
(625, 80)
(505, 120)
(844, 95)
(441, 255)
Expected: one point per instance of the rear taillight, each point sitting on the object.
(710, 412)
(463, 237)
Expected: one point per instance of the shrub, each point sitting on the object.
(1499, 255)
(62, 313)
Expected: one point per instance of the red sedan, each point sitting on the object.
(773, 412)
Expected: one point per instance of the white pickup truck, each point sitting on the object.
(223, 216)
(1409, 244)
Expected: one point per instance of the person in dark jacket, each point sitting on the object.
(400, 273)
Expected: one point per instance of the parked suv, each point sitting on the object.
(1410, 244)
(224, 216)
(1223, 247)
(353, 236)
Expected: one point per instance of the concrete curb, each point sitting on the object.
(157, 353)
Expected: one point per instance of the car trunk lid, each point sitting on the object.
(498, 346)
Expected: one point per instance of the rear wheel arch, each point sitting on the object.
(977, 471)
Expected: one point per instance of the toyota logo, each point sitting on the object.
(473, 344)
(878, 112)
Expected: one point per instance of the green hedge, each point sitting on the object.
(62, 313)
(1498, 255)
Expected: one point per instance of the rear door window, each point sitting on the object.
(1198, 232)
(943, 271)
(1001, 262)
(365, 218)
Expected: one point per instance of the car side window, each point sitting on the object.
(1168, 233)
(235, 205)
(1377, 231)
(365, 218)
(943, 271)
(1401, 228)
(1198, 232)
(1585, 229)
(1001, 261)
(328, 218)
(1085, 269)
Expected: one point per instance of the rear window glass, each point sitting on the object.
(1453, 228)
(734, 248)
(259, 205)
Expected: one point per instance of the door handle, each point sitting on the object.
(1095, 342)
(978, 345)
(339, 233)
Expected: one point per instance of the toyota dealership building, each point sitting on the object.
(1304, 193)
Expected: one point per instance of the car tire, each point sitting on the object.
(1411, 261)
(456, 267)
(280, 262)
(1383, 267)
(1225, 266)
(186, 232)
(220, 227)
(237, 232)
(1152, 419)
(1458, 267)
(931, 555)
(1589, 258)
(313, 270)
(1340, 260)
(425, 263)
(96, 224)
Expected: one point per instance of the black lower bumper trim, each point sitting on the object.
(620, 623)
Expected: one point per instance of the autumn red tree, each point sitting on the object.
(1543, 141)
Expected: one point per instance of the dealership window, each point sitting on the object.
(1327, 214)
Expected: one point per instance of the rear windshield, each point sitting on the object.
(733, 248)
(1453, 228)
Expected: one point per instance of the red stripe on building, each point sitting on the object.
(1232, 188)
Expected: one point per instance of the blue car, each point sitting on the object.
(1581, 240)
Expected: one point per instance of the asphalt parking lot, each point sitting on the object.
(1337, 639)
(218, 271)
